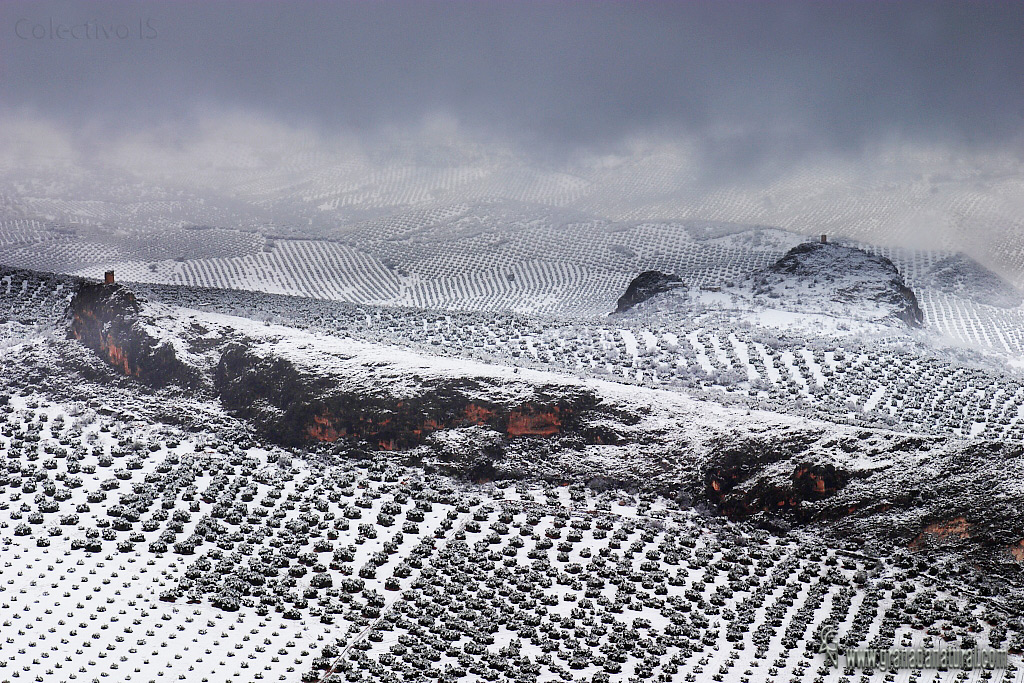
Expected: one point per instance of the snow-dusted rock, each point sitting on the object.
(817, 277)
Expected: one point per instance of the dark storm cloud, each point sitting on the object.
(750, 79)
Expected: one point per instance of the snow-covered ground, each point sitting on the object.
(217, 561)
(139, 551)
(917, 380)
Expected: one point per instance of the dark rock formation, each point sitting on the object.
(748, 475)
(294, 403)
(911, 312)
(107, 319)
(644, 286)
(832, 272)
(870, 489)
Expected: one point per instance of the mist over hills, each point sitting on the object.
(248, 173)
(440, 342)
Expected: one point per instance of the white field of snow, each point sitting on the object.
(631, 586)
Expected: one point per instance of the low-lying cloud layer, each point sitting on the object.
(894, 122)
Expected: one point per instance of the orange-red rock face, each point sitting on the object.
(89, 322)
(109, 348)
(105, 318)
(534, 422)
(1017, 551)
(118, 357)
(407, 425)
(956, 527)
(322, 430)
(814, 481)
(807, 484)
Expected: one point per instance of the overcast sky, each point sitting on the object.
(742, 76)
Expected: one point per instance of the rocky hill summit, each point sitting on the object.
(824, 278)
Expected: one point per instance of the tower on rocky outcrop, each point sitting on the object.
(824, 239)
(108, 277)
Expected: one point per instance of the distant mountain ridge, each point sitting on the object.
(962, 276)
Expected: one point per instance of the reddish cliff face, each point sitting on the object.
(806, 485)
(753, 477)
(404, 426)
(957, 527)
(293, 405)
(106, 318)
(534, 421)
(99, 319)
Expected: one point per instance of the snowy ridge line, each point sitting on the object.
(577, 348)
(797, 574)
(813, 366)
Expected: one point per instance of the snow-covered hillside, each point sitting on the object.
(819, 277)
(496, 476)
(161, 526)
(960, 276)
(502, 257)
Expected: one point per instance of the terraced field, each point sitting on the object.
(25, 295)
(523, 241)
(456, 218)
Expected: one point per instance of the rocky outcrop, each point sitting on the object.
(108, 319)
(644, 286)
(908, 310)
(870, 489)
(816, 277)
(468, 419)
(744, 476)
(327, 398)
